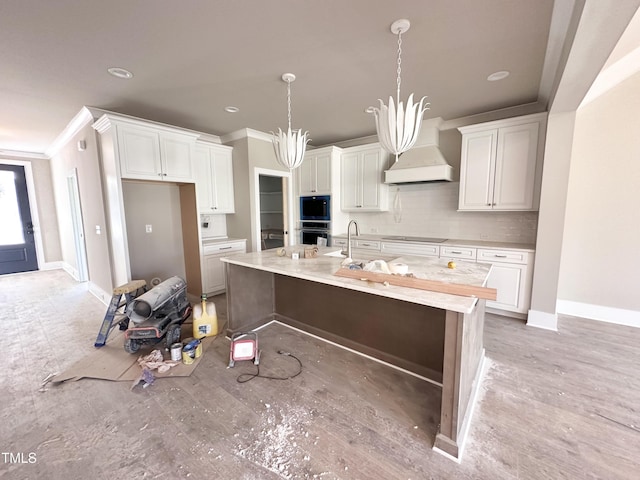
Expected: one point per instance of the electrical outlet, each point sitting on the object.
(148, 228)
(98, 230)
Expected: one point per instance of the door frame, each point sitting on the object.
(33, 208)
(287, 194)
(77, 222)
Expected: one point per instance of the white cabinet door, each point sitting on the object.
(214, 179)
(314, 175)
(477, 170)
(214, 278)
(516, 167)
(176, 156)
(323, 174)
(202, 174)
(361, 182)
(371, 168)
(351, 185)
(501, 164)
(509, 280)
(139, 152)
(222, 187)
(307, 175)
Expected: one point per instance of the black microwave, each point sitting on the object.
(315, 208)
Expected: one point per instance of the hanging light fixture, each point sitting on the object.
(289, 146)
(398, 126)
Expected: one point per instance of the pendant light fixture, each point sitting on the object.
(398, 126)
(289, 146)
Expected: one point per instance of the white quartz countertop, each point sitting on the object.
(449, 242)
(321, 269)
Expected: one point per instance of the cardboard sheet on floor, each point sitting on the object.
(111, 362)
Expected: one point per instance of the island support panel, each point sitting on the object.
(463, 361)
(407, 335)
(250, 298)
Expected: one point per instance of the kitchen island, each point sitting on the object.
(437, 336)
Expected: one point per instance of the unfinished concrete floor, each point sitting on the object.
(553, 405)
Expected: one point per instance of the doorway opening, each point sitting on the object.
(272, 208)
(17, 242)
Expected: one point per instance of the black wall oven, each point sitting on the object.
(311, 231)
(317, 208)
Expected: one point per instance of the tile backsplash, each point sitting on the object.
(216, 226)
(430, 210)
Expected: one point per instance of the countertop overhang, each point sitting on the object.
(321, 269)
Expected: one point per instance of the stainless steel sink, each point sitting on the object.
(414, 239)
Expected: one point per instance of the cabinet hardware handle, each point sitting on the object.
(164, 174)
(488, 204)
(457, 253)
(215, 208)
(500, 256)
(225, 248)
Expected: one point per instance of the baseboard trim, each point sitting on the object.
(618, 316)
(71, 271)
(51, 266)
(544, 320)
(99, 293)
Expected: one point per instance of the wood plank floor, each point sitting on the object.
(554, 405)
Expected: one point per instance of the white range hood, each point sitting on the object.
(424, 162)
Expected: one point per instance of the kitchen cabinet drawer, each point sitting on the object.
(367, 245)
(461, 253)
(503, 256)
(339, 242)
(222, 248)
(410, 249)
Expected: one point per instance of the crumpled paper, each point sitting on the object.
(152, 361)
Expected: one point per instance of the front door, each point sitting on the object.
(17, 244)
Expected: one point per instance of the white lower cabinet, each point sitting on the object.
(213, 277)
(511, 275)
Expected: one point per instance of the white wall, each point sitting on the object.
(430, 210)
(600, 263)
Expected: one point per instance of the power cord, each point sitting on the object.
(245, 377)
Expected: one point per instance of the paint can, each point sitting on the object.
(188, 354)
(176, 352)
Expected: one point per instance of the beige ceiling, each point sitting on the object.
(191, 58)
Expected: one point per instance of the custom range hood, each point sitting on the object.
(424, 162)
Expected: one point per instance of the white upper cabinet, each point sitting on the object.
(314, 175)
(362, 186)
(501, 164)
(214, 178)
(149, 152)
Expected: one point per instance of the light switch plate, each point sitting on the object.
(148, 228)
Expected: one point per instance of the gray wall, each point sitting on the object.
(159, 253)
(90, 185)
(600, 263)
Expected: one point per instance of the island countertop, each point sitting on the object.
(321, 269)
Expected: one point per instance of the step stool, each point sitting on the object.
(130, 291)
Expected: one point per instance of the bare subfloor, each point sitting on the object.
(553, 405)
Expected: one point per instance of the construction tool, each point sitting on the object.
(244, 346)
(130, 291)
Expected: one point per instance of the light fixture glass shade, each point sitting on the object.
(289, 147)
(398, 129)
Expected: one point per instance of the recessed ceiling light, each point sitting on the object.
(231, 109)
(120, 72)
(368, 110)
(498, 75)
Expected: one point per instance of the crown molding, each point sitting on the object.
(25, 155)
(77, 123)
(246, 133)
